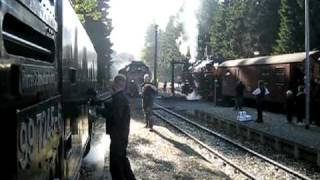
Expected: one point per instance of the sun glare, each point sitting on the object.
(130, 20)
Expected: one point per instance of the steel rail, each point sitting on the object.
(283, 167)
(208, 148)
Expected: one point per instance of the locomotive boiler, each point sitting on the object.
(47, 66)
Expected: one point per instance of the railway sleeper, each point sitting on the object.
(290, 148)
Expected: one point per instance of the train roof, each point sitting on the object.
(278, 59)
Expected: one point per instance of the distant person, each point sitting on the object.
(289, 105)
(300, 104)
(149, 92)
(260, 93)
(165, 87)
(239, 95)
(117, 113)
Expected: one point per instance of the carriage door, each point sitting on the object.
(237, 74)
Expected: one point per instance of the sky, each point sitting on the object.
(130, 20)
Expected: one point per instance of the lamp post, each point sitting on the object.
(155, 55)
(215, 65)
(307, 65)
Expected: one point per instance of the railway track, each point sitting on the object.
(249, 163)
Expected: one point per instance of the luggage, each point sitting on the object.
(243, 116)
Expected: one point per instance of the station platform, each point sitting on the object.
(292, 139)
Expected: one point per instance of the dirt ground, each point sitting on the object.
(162, 154)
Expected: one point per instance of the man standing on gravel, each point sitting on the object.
(117, 114)
(149, 92)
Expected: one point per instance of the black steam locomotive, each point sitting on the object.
(135, 72)
(47, 66)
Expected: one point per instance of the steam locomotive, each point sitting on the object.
(135, 72)
(47, 66)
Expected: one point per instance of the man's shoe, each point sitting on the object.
(151, 130)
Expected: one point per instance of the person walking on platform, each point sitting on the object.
(289, 105)
(148, 94)
(239, 95)
(260, 93)
(300, 104)
(165, 87)
(117, 114)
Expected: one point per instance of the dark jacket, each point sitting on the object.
(118, 115)
(148, 94)
(300, 103)
(240, 89)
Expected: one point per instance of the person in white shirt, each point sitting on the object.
(260, 93)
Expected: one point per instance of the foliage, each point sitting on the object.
(291, 30)
(314, 24)
(87, 8)
(149, 46)
(239, 28)
(169, 42)
(207, 11)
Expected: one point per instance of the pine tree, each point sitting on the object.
(221, 37)
(207, 11)
(291, 32)
(264, 15)
(314, 24)
(149, 46)
(169, 47)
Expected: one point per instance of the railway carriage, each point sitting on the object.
(47, 66)
(280, 73)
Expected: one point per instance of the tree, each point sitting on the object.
(239, 28)
(87, 8)
(207, 11)
(94, 16)
(291, 32)
(221, 33)
(265, 24)
(314, 24)
(170, 41)
(149, 46)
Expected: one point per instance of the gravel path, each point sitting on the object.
(153, 155)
